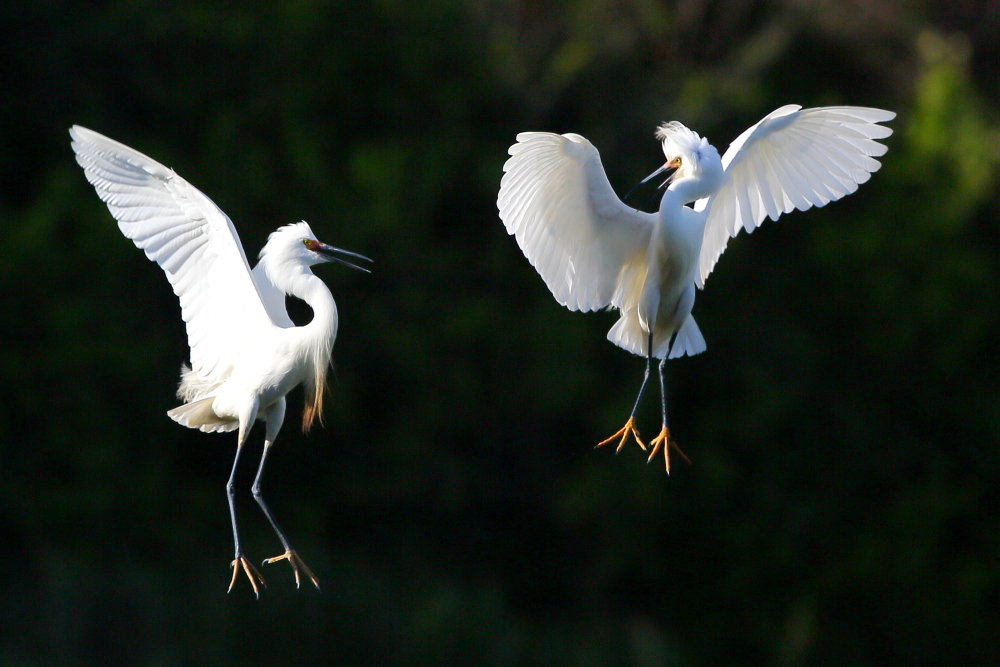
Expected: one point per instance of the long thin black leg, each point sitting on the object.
(260, 498)
(231, 494)
(289, 555)
(663, 380)
(645, 377)
(629, 428)
(239, 560)
(663, 439)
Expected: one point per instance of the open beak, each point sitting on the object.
(669, 167)
(331, 255)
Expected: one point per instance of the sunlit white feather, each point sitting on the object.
(595, 252)
(246, 353)
(191, 239)
(791, 159)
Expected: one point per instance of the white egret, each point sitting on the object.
(246, 354)
(594, 252)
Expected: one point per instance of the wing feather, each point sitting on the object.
(794, 197)
(191, 239)
(791, 159)
(555, 199)
(782, 198)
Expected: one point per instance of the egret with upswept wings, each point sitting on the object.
(246, 354)
(594, 252)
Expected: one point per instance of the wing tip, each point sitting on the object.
(79, 134)
(785, 110)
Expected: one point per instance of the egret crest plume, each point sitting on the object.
(678, 140)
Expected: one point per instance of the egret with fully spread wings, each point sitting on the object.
(595, 252)
(246, 354)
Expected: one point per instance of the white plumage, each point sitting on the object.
(594, 252)
(791, 159)
(191, 239)
(246, 354)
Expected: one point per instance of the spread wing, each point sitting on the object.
(556, 200)
(791, 159)
(191, 239)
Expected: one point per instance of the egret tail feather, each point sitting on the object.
(200, 415)
(628, 334)
(689, 340)
(194, 386)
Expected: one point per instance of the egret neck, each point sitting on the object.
(313, 343)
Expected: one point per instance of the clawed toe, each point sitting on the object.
(296, 562)
(252, 574)
(666, 442)
(623, 433)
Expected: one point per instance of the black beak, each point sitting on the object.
(669, 167)
(330, 253)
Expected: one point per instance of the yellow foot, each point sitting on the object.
(296, 562)
(664, 440)
(626, 430)
(252, 574)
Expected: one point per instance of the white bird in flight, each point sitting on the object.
(594, 252)
(246, 353)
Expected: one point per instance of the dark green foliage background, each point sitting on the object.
(843, 506)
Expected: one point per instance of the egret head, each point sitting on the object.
(296, 244)
(691, 161)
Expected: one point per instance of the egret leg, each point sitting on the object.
(663, 439)
(239, 560)
(629, 428)
(275, 417)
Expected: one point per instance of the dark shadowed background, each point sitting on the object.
(843, 504)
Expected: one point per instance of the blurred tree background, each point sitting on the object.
(843, 505)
